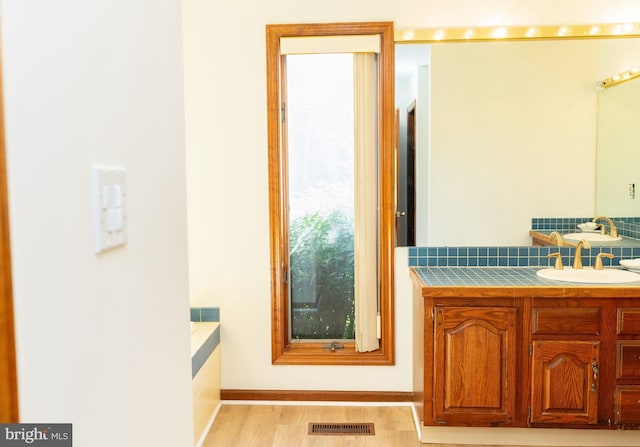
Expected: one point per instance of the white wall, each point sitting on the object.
(102, 341)
(227, 167)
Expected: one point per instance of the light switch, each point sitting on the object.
(109, 207)
(105, 197)
(116, 196)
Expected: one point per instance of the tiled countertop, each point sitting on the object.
(506, 280)
(481, 276)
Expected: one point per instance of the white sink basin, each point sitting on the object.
(589, 275)
(591, 237)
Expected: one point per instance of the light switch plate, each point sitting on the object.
(109, 207)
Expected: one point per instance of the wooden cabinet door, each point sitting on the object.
(474, 365)
(564, 387)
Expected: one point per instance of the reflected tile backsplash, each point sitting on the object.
(529, 256)
(627, 226)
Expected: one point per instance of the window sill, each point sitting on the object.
(315, 354)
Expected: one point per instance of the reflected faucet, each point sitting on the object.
(559, 241)
(577, 260)
(613, 231)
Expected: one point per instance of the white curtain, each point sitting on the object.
(366, 198)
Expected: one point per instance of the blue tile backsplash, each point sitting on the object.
(517, 256)
(528, 256)
(558, 223)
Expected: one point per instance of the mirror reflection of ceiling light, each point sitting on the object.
(408, 35)
(632, 73)
(551, 32)
(500, 33)
(625, 28)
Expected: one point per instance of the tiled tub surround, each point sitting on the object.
(205, 314)
(517, 256)
(205, 339)
(205, 370)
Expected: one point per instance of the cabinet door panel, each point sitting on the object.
(628, 321)
(627, 404)
(474, 374)
(628, 360)
(566, 321)
(565, 382)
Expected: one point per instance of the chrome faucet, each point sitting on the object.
(577, 260)
(613, 231)
(559, 241)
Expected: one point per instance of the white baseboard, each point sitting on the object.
(209, 425)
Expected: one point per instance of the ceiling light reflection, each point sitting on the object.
(500, 33)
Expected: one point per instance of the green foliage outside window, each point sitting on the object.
(322, 276)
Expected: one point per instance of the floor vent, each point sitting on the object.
(361, 429)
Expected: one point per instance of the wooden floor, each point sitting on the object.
(287, 426)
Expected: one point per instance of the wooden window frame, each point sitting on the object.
(284, 352)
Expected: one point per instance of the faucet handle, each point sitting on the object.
(598, 264)
(558, 265)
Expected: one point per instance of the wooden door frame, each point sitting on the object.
(8, 375)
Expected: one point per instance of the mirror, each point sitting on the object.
(505, 131)
(618, 157)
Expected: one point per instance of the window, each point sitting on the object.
(319, 131)
(331, 184)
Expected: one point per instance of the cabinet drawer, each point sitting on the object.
(628, 360)
(627, 404)
(566, 321)
(628, 321)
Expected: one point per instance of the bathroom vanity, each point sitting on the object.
(503, 348)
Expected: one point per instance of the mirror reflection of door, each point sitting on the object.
(411, 175)
(406, 177)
